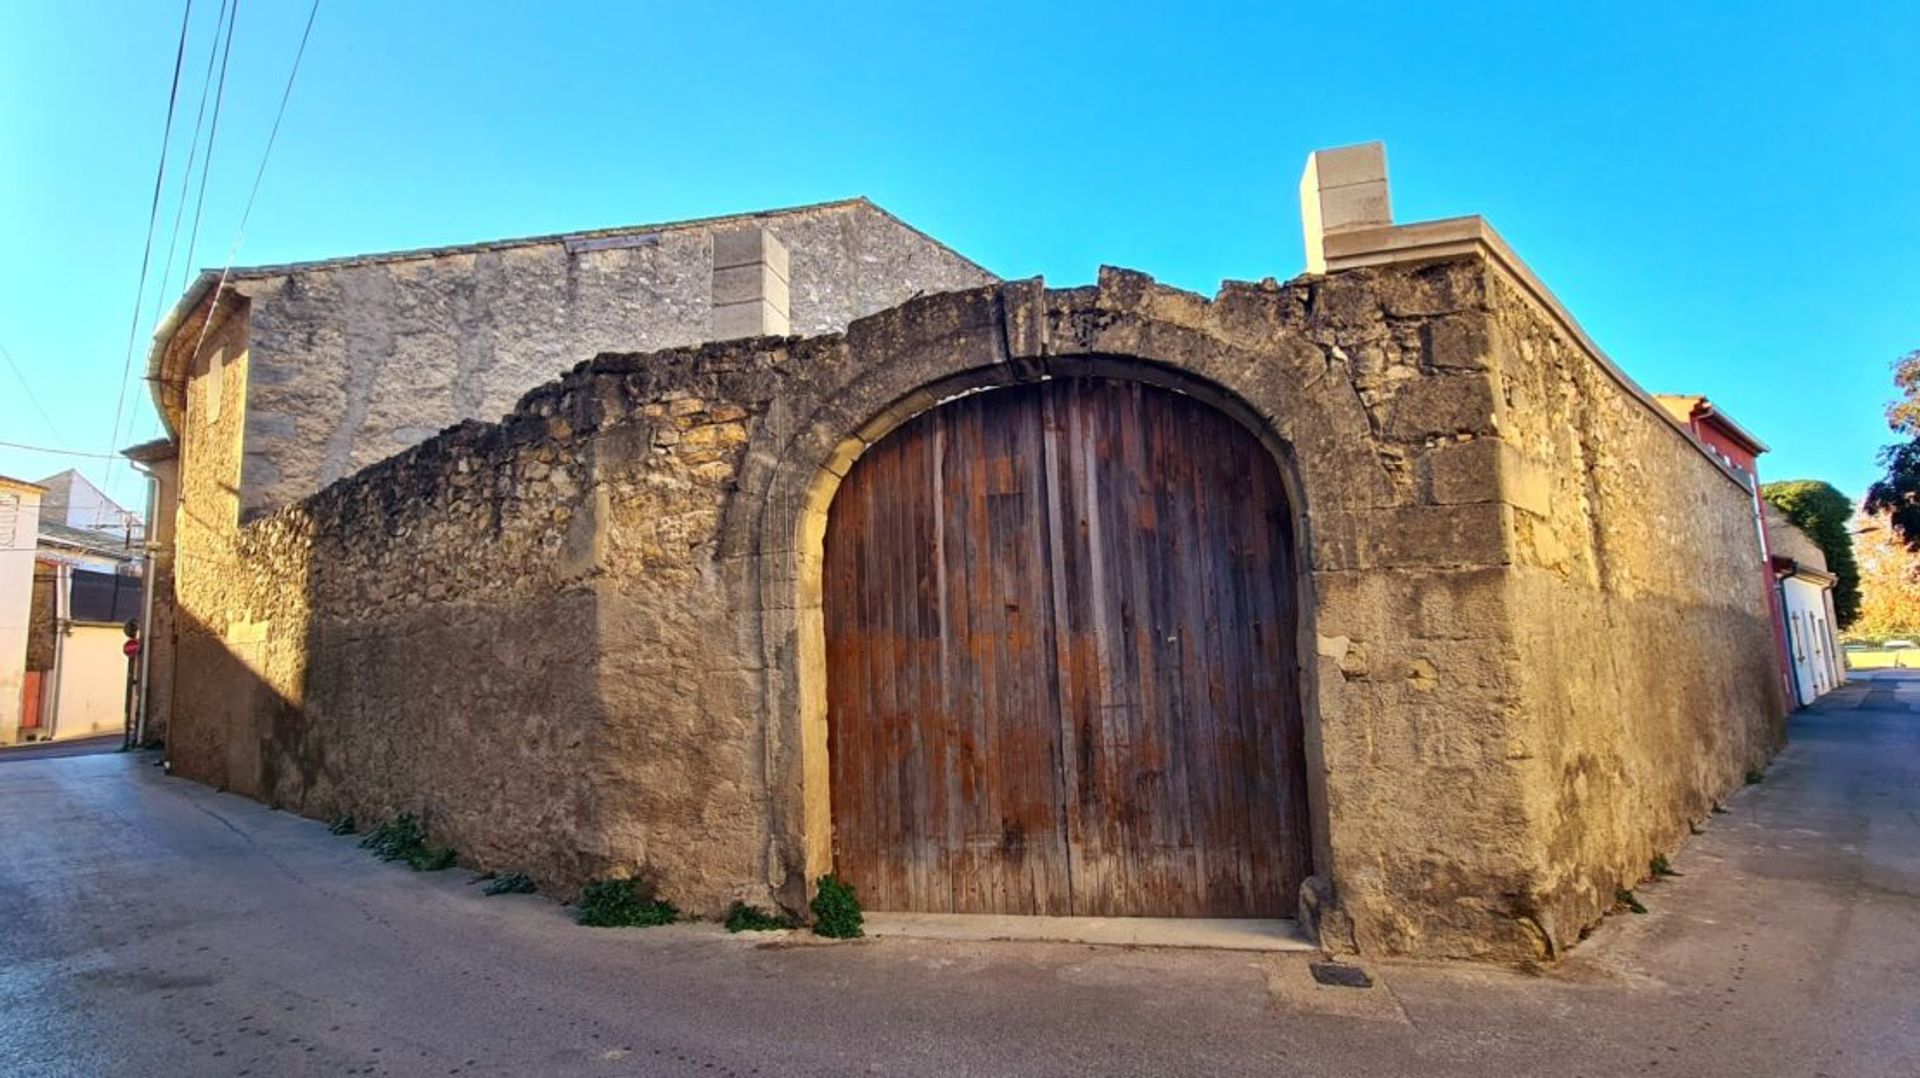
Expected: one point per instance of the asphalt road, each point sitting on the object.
(149, 926)
(47, 750)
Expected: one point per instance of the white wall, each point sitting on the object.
(19, 524)
(1810, 636)
(93, 682)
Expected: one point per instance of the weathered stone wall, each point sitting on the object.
(42, 626)
(1646, 681)
(354, 361)
(430, 637)
(588, 640)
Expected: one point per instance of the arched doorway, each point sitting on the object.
(1061, 664)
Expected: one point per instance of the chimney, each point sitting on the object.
(1343, 190)
(749, 284)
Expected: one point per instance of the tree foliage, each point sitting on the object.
(1823, 512)
(1889, 581)
(1897, 495)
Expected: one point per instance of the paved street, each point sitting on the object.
(47, 750)
(155, 927)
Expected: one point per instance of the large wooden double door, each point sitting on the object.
(1061, 666)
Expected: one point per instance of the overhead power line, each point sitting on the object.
(153, 217)
(273, 134)
(60, 452)
(213, 132)
(27, 387)
(193, 153)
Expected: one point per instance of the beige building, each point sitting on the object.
(19, 527)
(1806, 606)
(66, 593)
(1381, 595)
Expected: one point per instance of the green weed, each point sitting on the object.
(624, 904)
(836, 910)
(744, 918)
(401, 839)
(510, 883)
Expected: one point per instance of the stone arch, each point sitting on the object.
(1238, 354)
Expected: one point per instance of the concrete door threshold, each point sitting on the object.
(1207, 932)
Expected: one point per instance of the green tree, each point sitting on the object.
(1897, 494)
(1823, 512)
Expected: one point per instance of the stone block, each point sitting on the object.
(1344, 166)
(744, 284)
(756, 318)
(747, 246)
(1457, 343)
(1442, 405)
(1465, 472)
(1356, 207)
(1412, 536)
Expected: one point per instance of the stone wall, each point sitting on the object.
(354, 361)
(588, 639)
(1646, 681)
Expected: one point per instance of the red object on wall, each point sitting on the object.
(1731, 443)
(30, 701)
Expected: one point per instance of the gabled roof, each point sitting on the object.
(8, 482)
(199, 293)
(1690, 408)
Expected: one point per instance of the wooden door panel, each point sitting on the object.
(1061, 665)
(945, 757)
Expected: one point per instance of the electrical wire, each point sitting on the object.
(153, 218)
(213, 131)
(60, 452)
(28, 388)
(186, 175)
(272, 134)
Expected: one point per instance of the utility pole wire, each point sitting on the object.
(186, 175)
(219, 95)
(272, 134)
(153, 217)
(28, 388)
(60, 452)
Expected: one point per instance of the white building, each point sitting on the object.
(71, 500)
(1806, 602)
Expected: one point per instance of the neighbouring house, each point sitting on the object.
(1741, 452)
(19, 529)
(1380, 595)
(73, 501)
(66, 595)
(86, 588)
(1806, 596)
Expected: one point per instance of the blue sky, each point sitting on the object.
(1729, 201)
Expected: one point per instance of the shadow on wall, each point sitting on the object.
(400, 644)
